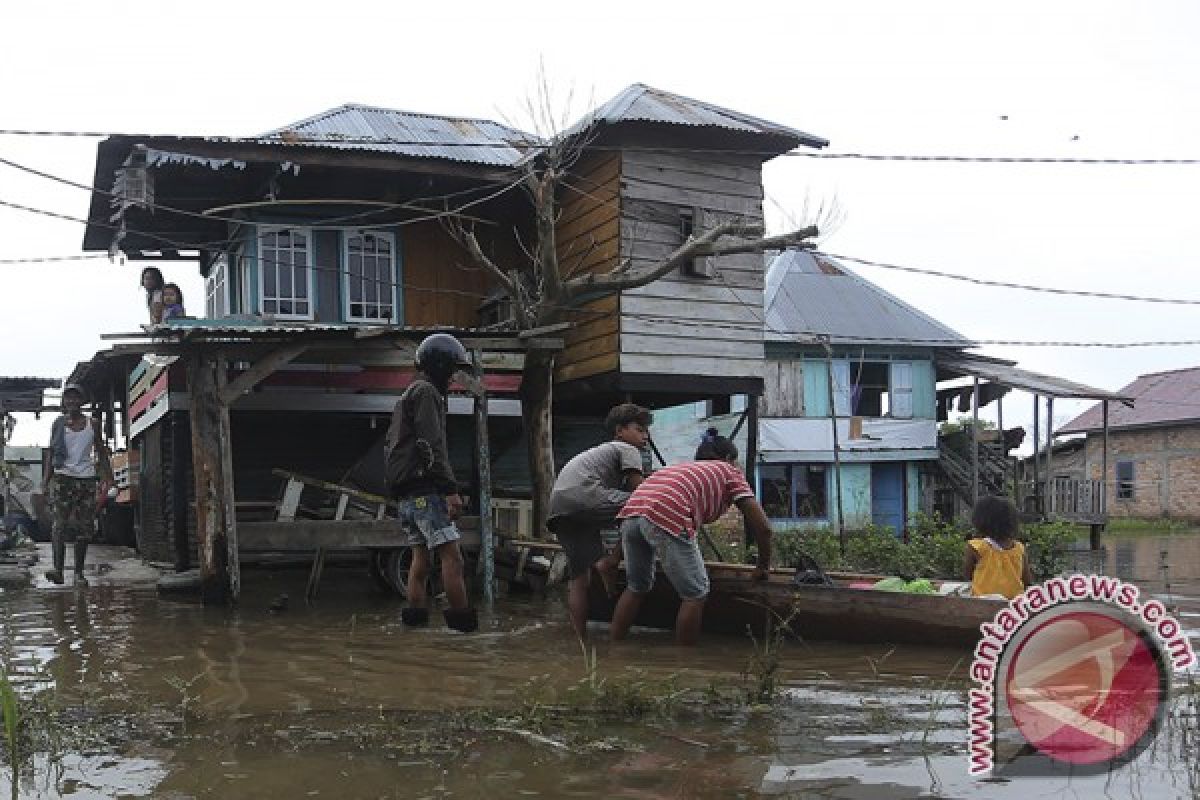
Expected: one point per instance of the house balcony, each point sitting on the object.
(859, 439)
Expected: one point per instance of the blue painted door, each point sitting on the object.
(887, 496)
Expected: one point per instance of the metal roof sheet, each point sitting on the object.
(1160, 398)
(642, 103)
(807, 296)
(360, 127)
(21, 384)
(1007, 374)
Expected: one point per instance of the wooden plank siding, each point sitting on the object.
(440, 285)
(783, 388)
(588, 239)
(682, 324)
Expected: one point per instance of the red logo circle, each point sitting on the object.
(1084, 687)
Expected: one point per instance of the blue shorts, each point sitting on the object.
(426, 521)
(681, 559)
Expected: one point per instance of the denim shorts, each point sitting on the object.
(581, 542)
(426, 521)
(681, 559)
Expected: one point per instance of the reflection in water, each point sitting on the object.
(340, 700)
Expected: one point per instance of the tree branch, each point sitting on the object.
(706, 244)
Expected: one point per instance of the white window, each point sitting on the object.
(216, 289)
(370, 260)
(285, 273)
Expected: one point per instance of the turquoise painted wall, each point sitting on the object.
(912, 489)
(856, 495)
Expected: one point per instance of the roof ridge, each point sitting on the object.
(1168, 372)
(352, 106)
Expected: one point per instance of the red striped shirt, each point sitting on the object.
(682, 496)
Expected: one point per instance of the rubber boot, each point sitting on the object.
(463, 620)
(414, 617)
(58, 550)
(80, 558)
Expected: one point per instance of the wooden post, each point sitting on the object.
(975, 441)
(1051, 506)
(487, 554)
(837, 458)
(4, 509)
(179, 505)
(751, 418)
(1037, 438)
(1094, 538)
(212, 463)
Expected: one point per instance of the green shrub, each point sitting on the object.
(934, 549)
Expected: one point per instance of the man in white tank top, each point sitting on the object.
(78, 467)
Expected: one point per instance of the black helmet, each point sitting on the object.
(439, 355)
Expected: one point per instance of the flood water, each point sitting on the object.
(155, 697)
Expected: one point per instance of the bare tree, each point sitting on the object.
(544, 290)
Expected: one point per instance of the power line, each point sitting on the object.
(49, 259)
(1009, 285)
(534, 145)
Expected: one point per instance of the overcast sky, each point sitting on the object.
(1094, 79)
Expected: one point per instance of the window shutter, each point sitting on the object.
(900, 391)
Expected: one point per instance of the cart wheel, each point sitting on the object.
(393, 566)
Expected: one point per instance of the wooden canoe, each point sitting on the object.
(836, 613)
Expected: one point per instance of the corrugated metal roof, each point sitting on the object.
(1160, 398)
(809, 295)
(1006, 373)
(358, 127)
(642, 103)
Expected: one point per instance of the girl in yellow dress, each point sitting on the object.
(995, 563)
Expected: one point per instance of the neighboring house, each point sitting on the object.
(877, 378)
(882, 392)
(325, 235)
(1154, 447)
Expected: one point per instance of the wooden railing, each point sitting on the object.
(1076, 500)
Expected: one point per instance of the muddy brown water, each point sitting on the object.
(340, 700)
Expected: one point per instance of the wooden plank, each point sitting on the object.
(590, 330)
(691, 365)
(604, 219)
(149, 397)
(644, 176)
(263, 367)
(747, 331)
(706, 292)
(746, 169)
(699, 344)
(137, 372)
(212, 468)
(685, 309)
(583, 369)
(666, 212)
(579, 254)
(747, 207)
(307, 535)
(591, 348)
(487, 561)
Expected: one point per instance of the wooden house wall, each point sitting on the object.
(432, 264)
(783, 388)
(588, 239)
(700, 326)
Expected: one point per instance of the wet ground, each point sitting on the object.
(143, 696)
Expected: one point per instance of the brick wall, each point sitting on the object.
(1166, 471)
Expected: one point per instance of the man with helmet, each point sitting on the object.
(423, 483)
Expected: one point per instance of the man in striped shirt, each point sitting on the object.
(661, 519)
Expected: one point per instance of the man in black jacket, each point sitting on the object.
(423, 483)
